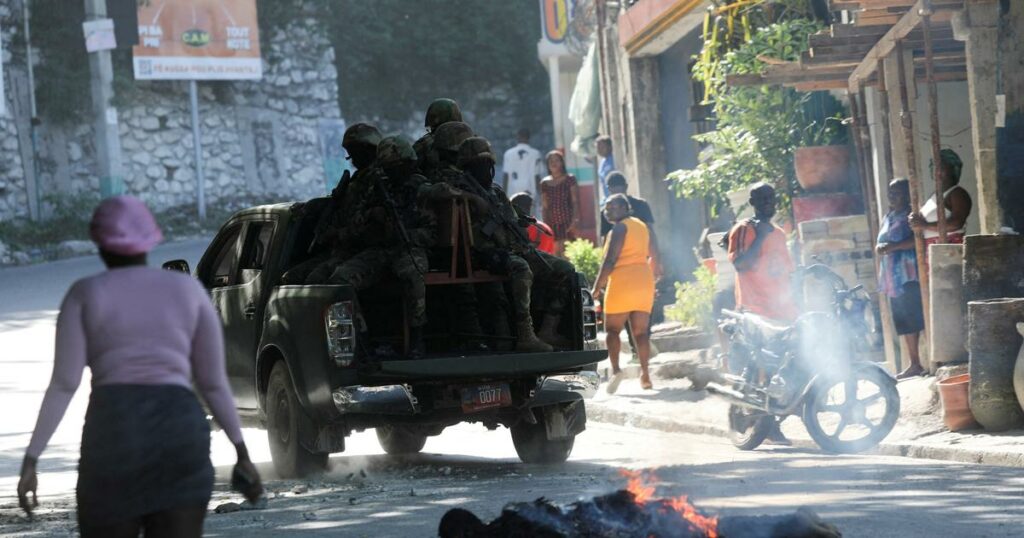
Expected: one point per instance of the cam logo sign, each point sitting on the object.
(555, 16)
(196, 37)
(198, 40)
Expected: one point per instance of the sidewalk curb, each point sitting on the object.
(600, 412)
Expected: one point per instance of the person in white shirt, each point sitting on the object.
(522, 167)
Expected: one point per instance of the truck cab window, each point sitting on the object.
(223, 269)
(256, 246)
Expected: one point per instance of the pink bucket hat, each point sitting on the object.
(123, 225)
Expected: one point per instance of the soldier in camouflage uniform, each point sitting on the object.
(445, 149)
(441, 111)
(332, 241)
(553, 279)
(445, 146)
(499, 244)
(397, 232)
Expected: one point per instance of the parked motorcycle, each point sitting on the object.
(810, 368)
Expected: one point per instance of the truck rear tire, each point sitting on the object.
(396, 440)
(533, 446)
(291, 459)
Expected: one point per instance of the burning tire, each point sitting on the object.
(853, 414)
(397, 441)
(533, 446)
(748, 429)
(291, 459)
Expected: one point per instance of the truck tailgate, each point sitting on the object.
(481, 366)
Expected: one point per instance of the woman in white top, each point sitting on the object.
(955, 200)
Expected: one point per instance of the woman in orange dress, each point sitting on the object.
(626, 281)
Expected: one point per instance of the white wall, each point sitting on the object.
(954, 131)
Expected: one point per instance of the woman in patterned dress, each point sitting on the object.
(560, 200)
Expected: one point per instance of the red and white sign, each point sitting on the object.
(198, 40)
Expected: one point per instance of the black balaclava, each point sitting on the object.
(482, 171)
(362, 155)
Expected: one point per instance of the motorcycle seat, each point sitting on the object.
(763, 330)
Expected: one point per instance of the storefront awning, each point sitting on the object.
(838, 52)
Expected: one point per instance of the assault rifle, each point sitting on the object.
(503, 218)
(332, 205)
(396, 216)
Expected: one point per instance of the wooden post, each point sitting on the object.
(907, 122)
(862, 143)
(933, 112)
(883, 102)
(871, 190)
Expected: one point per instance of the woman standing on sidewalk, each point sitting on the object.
(560, 201)
(145, 334)
(897, 273)
(626, 280)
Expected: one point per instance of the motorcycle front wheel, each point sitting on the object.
(854, 414)
(748, 429)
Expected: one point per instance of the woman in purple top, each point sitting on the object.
(897, 275)
(145, 334)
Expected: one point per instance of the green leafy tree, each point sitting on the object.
(759, 127)
(395, 56)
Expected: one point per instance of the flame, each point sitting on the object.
(707, 524)
(641, 485)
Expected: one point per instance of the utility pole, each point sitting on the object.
(33, 202)
(197, 145)
(108, 141)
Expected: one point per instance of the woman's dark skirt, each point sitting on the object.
(907, 312)
(145, 449)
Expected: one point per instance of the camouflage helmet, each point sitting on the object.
(441, 111)
(361, 133)
(475, 148)
(449, 135)
(395, 150)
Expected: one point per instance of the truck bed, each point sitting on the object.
(481, 366)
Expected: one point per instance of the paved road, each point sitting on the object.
(368, 494)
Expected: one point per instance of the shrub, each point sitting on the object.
(693, 306)
(69, 219)
(585, 256)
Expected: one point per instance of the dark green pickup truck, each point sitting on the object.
(305, 361)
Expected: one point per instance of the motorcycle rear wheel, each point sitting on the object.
(845, 412)
(748, 429)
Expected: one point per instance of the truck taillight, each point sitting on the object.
(589, 315)
(341, 334)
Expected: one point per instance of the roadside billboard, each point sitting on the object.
(198, 40)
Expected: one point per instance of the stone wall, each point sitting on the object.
(258, 137)
(13, 195)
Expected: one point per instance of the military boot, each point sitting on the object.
(528, 341)
(549, 332)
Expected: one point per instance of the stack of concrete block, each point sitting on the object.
(844, 244)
